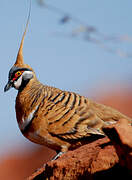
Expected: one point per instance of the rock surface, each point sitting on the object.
(121, 136)
(102, 158)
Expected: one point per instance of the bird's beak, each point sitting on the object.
(8, 86)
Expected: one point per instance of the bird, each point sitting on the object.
(58, 119)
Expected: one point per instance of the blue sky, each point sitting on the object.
(72, 64)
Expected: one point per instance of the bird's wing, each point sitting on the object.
(69, 116)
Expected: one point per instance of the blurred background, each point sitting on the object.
(85, 47)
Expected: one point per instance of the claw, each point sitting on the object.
(57, 156)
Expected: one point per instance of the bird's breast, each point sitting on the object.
(26, 119)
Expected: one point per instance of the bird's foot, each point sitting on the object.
(57, 156)
(54, 158)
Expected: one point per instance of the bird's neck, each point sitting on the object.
(31, 97)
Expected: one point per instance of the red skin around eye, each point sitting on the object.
(14, 79)
(16, 76)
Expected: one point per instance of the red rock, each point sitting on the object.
(121, 136)
(82, 163)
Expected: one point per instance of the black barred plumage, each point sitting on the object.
(49, 116)
(65, 111)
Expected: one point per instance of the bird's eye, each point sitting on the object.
(18, 73)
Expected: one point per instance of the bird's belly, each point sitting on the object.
(37, 137)
(35, 129)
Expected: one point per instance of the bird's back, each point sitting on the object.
(72, 116)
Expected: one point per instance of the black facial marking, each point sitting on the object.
(23, 85)
(14, 69)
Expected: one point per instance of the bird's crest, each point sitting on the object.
(19, 60)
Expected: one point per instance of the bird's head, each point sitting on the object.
(20, 74)
(19, 77)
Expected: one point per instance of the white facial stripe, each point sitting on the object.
(26, 121)
(27, 72)
(18, 83)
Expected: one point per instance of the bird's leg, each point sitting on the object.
(64, 149)
(58, 155)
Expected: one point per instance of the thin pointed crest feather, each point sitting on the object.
(19, 60)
